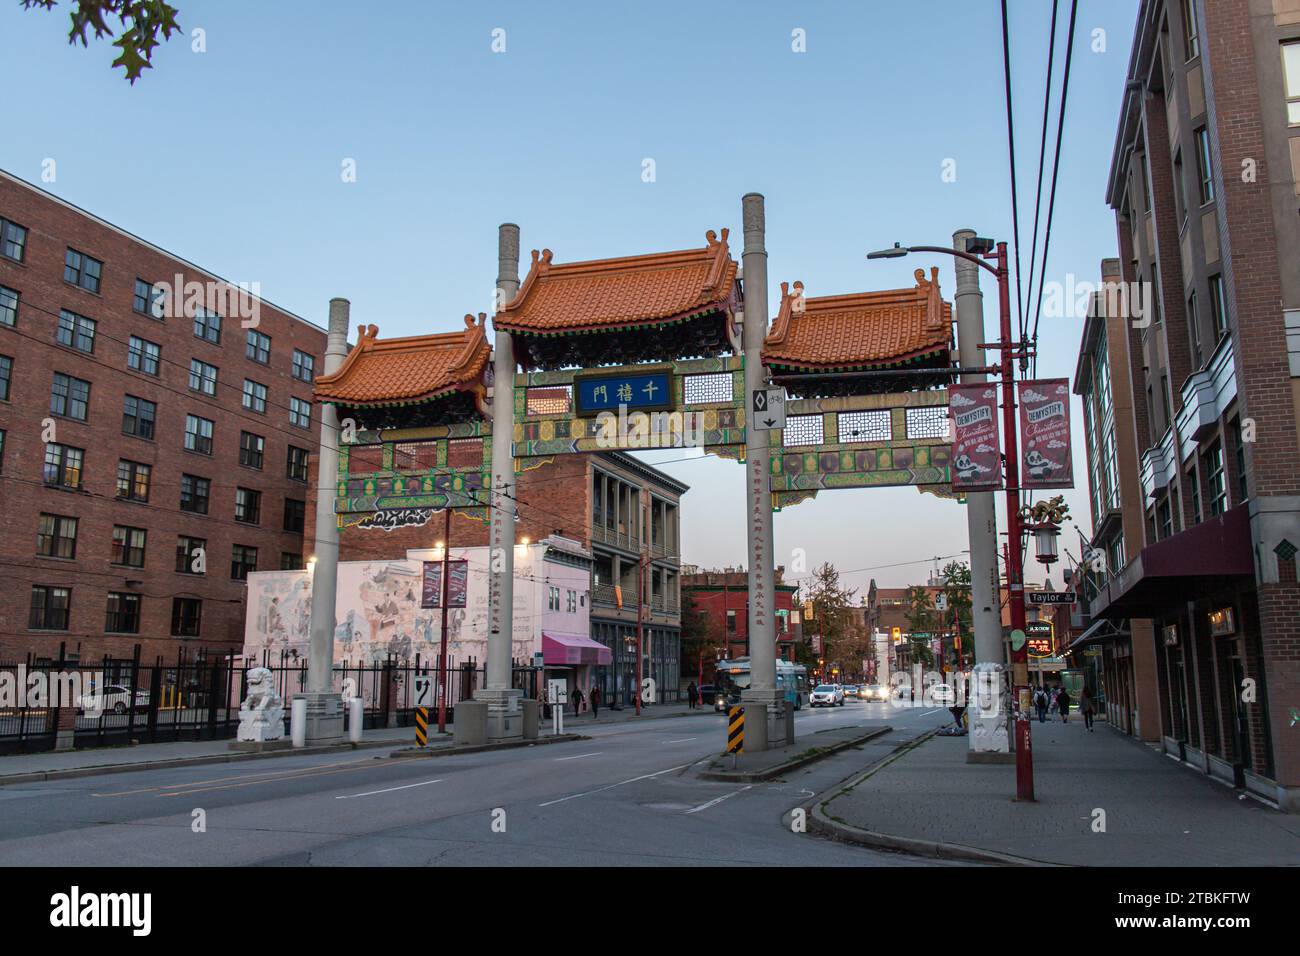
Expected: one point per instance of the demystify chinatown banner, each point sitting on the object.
(976, 457)
(1045, 434)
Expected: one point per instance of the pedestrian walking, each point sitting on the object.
(594, 700)
(1040, 703)
(1086, 708)
(577, 701)
(1063, 705)
(692, 695)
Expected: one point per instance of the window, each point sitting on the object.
(56, 536)
(203, 377)
(6, 373)
(251, 448)
(296, 467)
(1239, 456)
(731, 623)
(63, 465)
(81, 270)
(194, 494)
(198, 434)
(13, 240)
(248, 505)
(290, 561)
(571, 601)
(1216, 479)
(69, 397)
(1165, 518)
(1194, 492)
(187, 617)
(802, 430)
(207, 326)
(2, 450)
(1191, 41)
(190, 554)
(144, 356)
(1194, 327)
(128, 546)
(299, 413)
(149, 300)
(864, 426)
(254, 396)
(1180, 201)
(1204, 167)
(1291, 80)
(1218, 307)
(552, 599)
(133, 480)
(242, 560)
(138, 417)
(50, 607)
(258, 347)
(123, 616)
(304, 366)
(295, 515)
(76, 331)
(8, 306)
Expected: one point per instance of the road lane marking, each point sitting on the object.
(268, 775)
(305, 775)
(371, 793)
(682, 741)
(580, 756)
(935, 711)
(717, 800)
(587, 793)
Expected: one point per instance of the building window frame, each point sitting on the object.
(257, 347)
(187, 617)
(199, 434)
(122, 613)
(76, 331)
(139, 417)
(50, 608)
(56, 536)
(128, 548)
(82, 270)
(196, 494)
(304, 366)
(132, 477)
(13, 240)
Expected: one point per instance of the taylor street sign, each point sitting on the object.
(1049, 597)
(767, 409)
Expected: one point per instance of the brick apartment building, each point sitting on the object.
(722, 597)
(1205, 184)
(141, 427)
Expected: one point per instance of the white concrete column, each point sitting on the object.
(981, 523)
(762, 695)
(503, 715)
(324, 706)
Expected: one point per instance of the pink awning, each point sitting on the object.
(560, 649)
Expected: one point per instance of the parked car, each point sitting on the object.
(114, 699)
(871, 692)
(707, 693)
(826, 695)
(942, 694)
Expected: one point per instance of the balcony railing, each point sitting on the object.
(616, 539)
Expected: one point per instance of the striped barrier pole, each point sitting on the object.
(735, 730)
(422, 726)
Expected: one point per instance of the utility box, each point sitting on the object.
(532, 711)
(470, 725)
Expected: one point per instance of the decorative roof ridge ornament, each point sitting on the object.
(933, 301)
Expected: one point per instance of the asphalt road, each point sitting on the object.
(626, 795)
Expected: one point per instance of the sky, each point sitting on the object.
(231, 153)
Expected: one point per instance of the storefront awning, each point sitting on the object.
(1163, 575)
(1098, 632)
(562, 649)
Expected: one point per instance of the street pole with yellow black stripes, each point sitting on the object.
(735, 730)
(422, 726)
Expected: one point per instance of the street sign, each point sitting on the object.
(557, 691)
(539, 660)
(941, 602)
(423, 691)
(767, 409)
(1050, 597)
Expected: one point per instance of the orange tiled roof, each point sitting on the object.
(861, 330)
(605, 294)
(406, 370)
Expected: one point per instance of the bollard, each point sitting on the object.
(356, 719)
(298, 721)
(735, 730)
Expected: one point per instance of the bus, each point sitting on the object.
(733, 677)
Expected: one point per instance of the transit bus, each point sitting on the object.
(733, 677)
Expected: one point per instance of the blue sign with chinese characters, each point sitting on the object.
(606, 392)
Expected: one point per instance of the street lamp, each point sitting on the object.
(977, 251)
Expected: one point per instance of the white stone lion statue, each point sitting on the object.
(261, 715)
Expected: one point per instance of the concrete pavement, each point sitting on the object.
(1155, 812)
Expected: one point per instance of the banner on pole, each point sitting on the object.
(457, 584)
(1045, 460)
(976, 450)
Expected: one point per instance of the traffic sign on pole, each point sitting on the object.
(767, 409)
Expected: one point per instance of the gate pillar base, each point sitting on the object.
(324, 719)
(505, 716)
(765, 721)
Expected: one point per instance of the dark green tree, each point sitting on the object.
(921, 624)
(140, 22)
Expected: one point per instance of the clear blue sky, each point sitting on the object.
(231, 158)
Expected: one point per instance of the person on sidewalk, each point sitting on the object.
(692, 695)
(594, 699)
(1086, 708)
(1040, 704)
(577, 701)
(1063, 705)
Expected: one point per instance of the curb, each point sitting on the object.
(758, 776)
(39, 776)
(424, 753)
(820, 822)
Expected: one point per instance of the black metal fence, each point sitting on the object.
(118, 701)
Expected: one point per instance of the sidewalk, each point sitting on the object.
(51, 765)
(1157, 813)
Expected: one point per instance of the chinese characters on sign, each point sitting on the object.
(457, 584)
(1045, 434)
(605, 392)
(976, 451)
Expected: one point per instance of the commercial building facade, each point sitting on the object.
(1205, 184)
(156, 427)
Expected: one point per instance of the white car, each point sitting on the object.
(941, 694)
(115, 699)
(826, 695)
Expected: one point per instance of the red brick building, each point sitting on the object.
(155, 431)
(723, 598)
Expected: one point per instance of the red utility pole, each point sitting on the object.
(442, 651)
